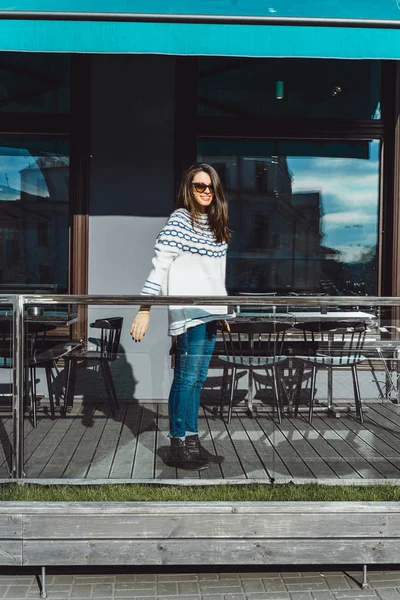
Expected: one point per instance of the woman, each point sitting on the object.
(190, 259)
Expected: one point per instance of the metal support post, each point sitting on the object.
(364, 584)
(43, 590)
(18, 388)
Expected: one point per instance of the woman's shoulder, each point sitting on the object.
(180, 217)
(180, 213)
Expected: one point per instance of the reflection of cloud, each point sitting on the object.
(351, 253)
(351, 217)
(347, 189)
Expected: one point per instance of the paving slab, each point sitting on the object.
(227, 585)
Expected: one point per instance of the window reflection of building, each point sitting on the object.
(34, 233)
(277, 242)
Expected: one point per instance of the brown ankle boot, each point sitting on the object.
(180, 457)
(199, 452)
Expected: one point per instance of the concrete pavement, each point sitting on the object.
(267, 585)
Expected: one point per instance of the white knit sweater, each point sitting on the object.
(188, 262)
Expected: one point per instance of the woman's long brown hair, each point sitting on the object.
(217, 211)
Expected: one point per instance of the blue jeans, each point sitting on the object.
(194, 349)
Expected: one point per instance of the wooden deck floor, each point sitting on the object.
(90, 444)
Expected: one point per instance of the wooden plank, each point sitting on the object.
(61, 445)
(162, 470)
(386, 417)
(92, 423)
(349, 460)
(206, 551)
(265, 450)
(375, 424)
(143, 467)
(10, 526)
(374, 450)
(126, 446)
(371, 464)
(250, 460)
(208, 526)
(223, 444)
(42, 443)
(104, 454)
(6, 431)
(328, 445)
(278, 437)
(11, 553)
(214, 470)
(316, 453)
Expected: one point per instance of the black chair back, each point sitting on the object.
(255, 339)
(110, 336)
(341, 340)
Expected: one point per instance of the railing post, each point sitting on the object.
(18, 387)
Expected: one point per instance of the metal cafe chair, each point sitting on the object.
(107, 351)
(35, 340)
(330, 345)
(254, 344)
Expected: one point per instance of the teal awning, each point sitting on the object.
(268, 28)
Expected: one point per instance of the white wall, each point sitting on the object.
(131, 196)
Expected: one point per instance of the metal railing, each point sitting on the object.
(21, 301)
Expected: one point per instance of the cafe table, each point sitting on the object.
(298, 317)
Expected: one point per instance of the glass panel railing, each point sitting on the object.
(299, 389)
(6, 387)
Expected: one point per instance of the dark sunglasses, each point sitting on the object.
(201, 187)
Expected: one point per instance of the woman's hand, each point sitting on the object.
(140, 325)
(223, 326)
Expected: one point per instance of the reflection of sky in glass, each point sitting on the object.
(10, 174)
(349, 196)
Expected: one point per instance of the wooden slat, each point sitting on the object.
(11, 553)
(162, 470)
(223, 444)
(250, 460)
(61, 444)
(350, 461)
(104, 454)
(372, 464)
(124, 456)
(196, 552)
(329, 447)
(206, 420)
(146, 446)
(293, 461)
(93, 422)
(10, 526)
(223, 526)
(265, 450)
(43, 442)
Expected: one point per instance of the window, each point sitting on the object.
(293, 88)
(34, 215)
(314, 229)
(34, 82)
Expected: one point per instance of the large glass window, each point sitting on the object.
(294, 88)
(34, 82)
(304, 215)
(34, 215)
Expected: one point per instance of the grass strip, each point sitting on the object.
(13, 492)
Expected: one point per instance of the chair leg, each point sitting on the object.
(231, 395)
(223, 391)
(297, 393)
(107, 376)
(357, 395)
(70, 385)
(30, 393)
(47, 367)
(277, 398)
(313, 382)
